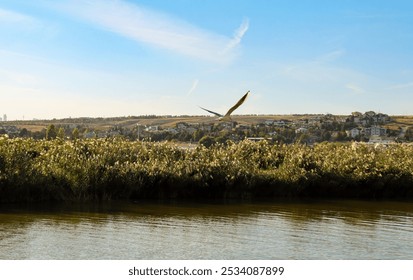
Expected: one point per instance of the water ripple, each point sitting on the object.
(316, 230)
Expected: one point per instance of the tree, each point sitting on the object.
(303, 138)
(325, 136)
(341, 136)
(207, 141)
(221, 139)
(197, 135)
(61, 133)
(24, 133)
(51, 132)
(75, 133)
(39, 134)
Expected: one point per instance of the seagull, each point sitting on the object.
(226, 117)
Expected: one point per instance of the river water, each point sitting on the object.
(141, 230)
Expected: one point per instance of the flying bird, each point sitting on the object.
(227, 117)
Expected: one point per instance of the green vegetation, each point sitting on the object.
(114, 168)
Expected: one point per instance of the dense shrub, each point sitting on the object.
(121, 169)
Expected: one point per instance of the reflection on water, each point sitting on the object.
(278, 230)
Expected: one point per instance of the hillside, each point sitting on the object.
(367, 127)
(171, 121)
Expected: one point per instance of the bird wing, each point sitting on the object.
(233, 108)
(212, 112)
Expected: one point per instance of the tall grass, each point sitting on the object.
(101, 169)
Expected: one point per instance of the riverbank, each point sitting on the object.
(107, 169)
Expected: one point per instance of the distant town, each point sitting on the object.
(370, 127)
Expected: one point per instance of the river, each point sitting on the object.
(175, 230)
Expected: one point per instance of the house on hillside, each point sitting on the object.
(269, 122)
(369, 118)
(381, 140)
(375, 131)
(382, 118)
(370, 114)
(181, 126)
(301, 130)
(282, 123)
(361, 120)
(190, 129)
(152, 128)
(206, 127)
(353, 133)
(242, 127)
(171, 130)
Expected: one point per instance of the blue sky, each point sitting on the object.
(102, 58)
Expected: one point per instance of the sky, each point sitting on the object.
(112, 58)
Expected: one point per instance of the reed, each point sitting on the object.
(103, 169)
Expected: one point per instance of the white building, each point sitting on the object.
(280, 123)
(301, 130)
(181, 125)
(152, 128)
(381, 140)
(5, 118)
(171, 130)
(353, 133)
(376, 131)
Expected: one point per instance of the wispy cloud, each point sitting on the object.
(374, 16)
(238, 34)
(331, 56)
(194, 86)
(316, 68)
(13, 17)
(401, 86)
(18, 19)
(157, 29)
(355, 88)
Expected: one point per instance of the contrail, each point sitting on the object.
(194, 85)
(238, 34)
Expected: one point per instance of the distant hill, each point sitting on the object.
(99, 124)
